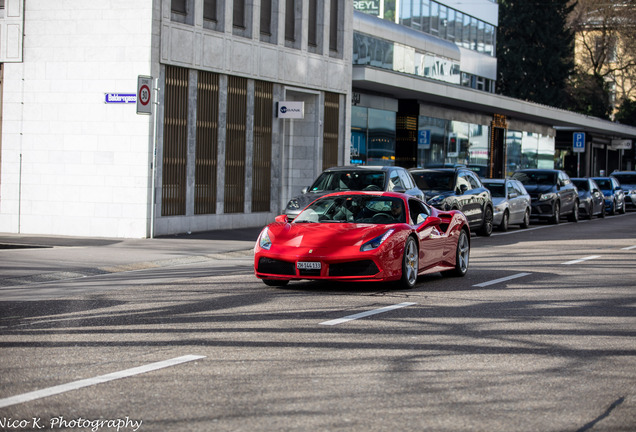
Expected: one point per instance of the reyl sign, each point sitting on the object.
(291, 109)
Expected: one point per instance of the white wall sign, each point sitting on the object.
(291, 109)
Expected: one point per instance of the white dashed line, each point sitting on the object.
(591, 257)
(629, 247)
(366, 314)
(38, 394)
(503, 279)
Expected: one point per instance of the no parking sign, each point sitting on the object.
(144, 94)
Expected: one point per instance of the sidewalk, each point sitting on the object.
(36, 258)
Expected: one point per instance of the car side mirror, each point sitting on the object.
(426, 221)
(513, 195)
(462, 189)
(282, 219)
(305, 190)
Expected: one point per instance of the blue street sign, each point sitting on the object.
(578, 142)
(120, 98)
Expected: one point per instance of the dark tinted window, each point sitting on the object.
(348, 180)
(496, 189)
(434, 180)
(581, 184)
(536, 177)
(629, 179)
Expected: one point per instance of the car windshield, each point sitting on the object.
(629, 179)
(535, 177)
(348, 180)
(581, 185)
(497, 190)
(434, 180)
(354, 209)
(604, 184)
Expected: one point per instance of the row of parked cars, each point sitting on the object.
(487, 203)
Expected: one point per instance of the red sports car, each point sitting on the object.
(363, 236)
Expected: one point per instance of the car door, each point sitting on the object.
(567, 192)
(431, 239)
(466, 200)
(514, 204)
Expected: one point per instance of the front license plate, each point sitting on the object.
(308, 265)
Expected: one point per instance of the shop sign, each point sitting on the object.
(291, 109)
(621, 144)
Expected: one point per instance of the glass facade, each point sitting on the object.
(431, 17)
(528, 150)
(447, 143)
(374, 51)
(372, 136)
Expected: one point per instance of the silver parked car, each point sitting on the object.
(511, 201)
(627, 180)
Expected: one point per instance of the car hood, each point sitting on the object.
(428, 194)
(539, 189)
(498, 200)
(323, 235)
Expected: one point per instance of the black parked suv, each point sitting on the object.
(553, 194)
(355, 178)
(457, 189)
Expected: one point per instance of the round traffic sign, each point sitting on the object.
(144, 95)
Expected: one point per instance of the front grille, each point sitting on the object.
(309, 272)
(353, 268)
(272, 266)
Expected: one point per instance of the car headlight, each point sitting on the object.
(631, 192)
(263, 240)
(547, 196)
(500, 208)
(293, 204)
(376, 242)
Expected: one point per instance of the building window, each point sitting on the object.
(206, 144)
(235, 139)
(290, 22)
(242, 18)
(262, 155)
(239, 14)
(312, 24)
(266, 17)
(331, 126)
(181, 11)
(175, 142)
(209, 10)
(335, 28)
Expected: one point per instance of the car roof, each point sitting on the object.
(539, 170)
(362, 168)
(489, 180)
(371, 193)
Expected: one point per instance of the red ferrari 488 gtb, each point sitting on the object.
(363, 236)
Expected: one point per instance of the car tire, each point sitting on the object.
(526, 219)
(613, 210)
(462, 256)
(505, 220)
(275, 282)
(602, 215)
(556, 215)
(589, 211)
(410, 264)
(574, 216)
(486, 227)
(623, 209)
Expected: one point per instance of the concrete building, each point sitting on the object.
(248, 102)
(78, 160)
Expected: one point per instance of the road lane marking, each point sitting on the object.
(366, 314)
(62, 388)
(629, 247)
(503, 279)
(580, 260)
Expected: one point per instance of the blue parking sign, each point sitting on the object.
(424, 139)
(578, 142)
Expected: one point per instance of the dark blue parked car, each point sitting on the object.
(614, 195)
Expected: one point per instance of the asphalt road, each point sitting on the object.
(539, 336)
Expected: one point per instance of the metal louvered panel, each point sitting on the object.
(330, 130)
(206, 147)
(175, 142)
(235, 145)
(262, 157)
